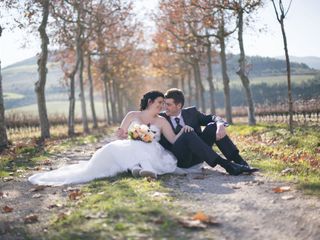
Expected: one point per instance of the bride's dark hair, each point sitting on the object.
(152, 95)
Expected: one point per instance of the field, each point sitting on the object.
(59, 108)
(270, 80)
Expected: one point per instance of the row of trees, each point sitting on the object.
(192, 33)
(96, 43)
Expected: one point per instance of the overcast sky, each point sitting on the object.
(301, 27)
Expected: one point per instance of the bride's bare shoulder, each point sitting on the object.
(161, 120)
(133, 113)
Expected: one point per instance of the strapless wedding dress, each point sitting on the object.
(113, 158)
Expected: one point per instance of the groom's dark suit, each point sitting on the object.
(195, 147)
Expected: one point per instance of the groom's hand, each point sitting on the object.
(187, 128)
(221, 131)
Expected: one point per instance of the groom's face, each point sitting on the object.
(172, 109)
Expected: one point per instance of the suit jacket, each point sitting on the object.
(193, 118)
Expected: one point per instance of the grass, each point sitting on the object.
(11, 96)
(120, 208)
(281, 155)
(26, 152)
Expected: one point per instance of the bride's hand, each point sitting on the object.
(187, 128)
(121, 133)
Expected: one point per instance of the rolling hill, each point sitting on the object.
(19, 78)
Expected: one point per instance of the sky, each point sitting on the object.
(300, 25)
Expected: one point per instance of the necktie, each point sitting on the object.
(178, 127)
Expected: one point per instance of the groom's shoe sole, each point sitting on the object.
(136, 172)
(146, 173)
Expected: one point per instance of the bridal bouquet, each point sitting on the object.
(141, 132)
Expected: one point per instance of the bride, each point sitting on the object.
(141, 157)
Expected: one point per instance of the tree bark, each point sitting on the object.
(3, 130)
(72, 103)
(288, 77)
(189, 98)
(242, 71)
(210, 79)
(42, 70)
(106, 94)
(199, 86)
(91, 94)
(225, 79)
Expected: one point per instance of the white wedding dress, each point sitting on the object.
(113, 158)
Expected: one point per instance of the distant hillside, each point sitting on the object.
(263, 66)
(313, 62)
(19, 78)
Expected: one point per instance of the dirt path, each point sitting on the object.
(245, 206)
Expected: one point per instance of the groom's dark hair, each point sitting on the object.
(176, 94)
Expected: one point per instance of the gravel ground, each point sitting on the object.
(245, 206)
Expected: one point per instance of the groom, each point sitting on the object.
(192, 148)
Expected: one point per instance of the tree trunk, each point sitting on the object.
(106, 94)
(226, 80)
(120, 103)
(189, 99)
(210, 79)
(115, 101)
(111, 98)
(91, 95)
(288, 77)
(242, 71)
(182, 82)
(72, 103)
(199, 86)
(3, 130)
(42, 70)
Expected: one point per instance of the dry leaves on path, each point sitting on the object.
(7, 209)
(281, 189)
(31, 219)
(75, 195)
(198, 220)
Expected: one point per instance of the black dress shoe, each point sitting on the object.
(237, 169)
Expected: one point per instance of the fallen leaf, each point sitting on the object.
(200, 216)
(37, 188)
(187, 223)
(75, 195)
(281, 189)
(235, 187)
(31, 218)
(287, 197)
(7, 209)
(204, 218)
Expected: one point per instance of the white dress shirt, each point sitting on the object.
(173, 121)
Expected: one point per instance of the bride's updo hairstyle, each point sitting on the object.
(149, 97)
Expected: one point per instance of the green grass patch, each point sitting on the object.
(12, 96)
(281, 155)
(121, 208)
(26, 153)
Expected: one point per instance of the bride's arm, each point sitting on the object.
(122, 131)
(168, 132)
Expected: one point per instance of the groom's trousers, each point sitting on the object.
(191, 149)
